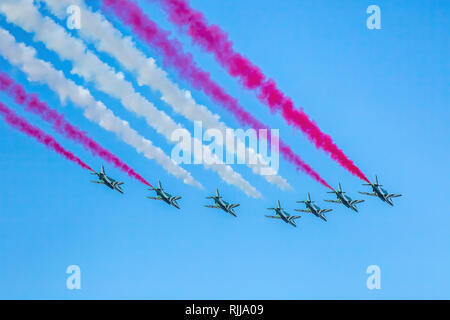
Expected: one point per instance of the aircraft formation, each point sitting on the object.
(279, 212)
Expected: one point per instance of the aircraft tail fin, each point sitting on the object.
(278, 204)
(376, 182)
(102, 169)
(159, 184)
(217, 193)
(339, 187)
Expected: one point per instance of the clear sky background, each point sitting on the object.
(383, 95)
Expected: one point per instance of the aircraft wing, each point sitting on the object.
(326, 210)
(209, 206)
(303, 210)
(273, 217)
(334, 201)
(357, 201)
(295, 217)
(99, 182)
(395, 195)
(368, 194)
(234, 205)
(154, 198)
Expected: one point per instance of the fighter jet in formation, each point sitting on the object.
(283, 215)
(380, 192)
(107, 181)
(222, 204)
(164, 196)
(313, 208)
(344, 199)
(280, 213)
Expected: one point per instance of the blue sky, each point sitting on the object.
(381, 94)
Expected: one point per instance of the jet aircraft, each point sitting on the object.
(283, 215)
(107, 181)
(222, 204)
(380, 192)
(164, 196)
(344, 199)
(313, 208)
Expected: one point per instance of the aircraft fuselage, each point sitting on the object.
(225, 206)
(285, 217)
(103, 178)
(382, 194)
(315, 210)
(110, 183)
(346, 201)
(166, 197)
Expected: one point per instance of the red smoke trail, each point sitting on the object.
(214, 40)
(173, 55)
(61, 125)
(22, 125)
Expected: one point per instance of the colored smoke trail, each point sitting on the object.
(85, 63)
(129, 13)
(61, 125)
(172, 52)
(214, 40)
(107, 39)
(22, 125)
(300, 164)
(39, 71)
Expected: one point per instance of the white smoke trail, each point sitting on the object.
(106, 38)
(87, 65)
(24, 57)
